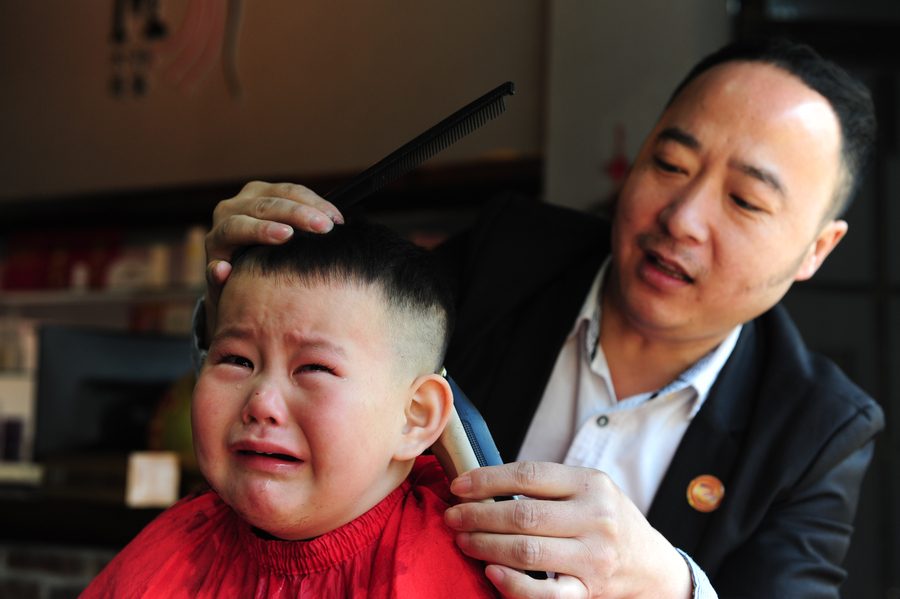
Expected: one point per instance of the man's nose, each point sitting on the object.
(688, 214)
(265, 404)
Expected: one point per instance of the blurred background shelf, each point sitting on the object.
(10, 300)
(28, 517)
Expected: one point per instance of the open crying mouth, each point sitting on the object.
(278, 456)
(665, 268)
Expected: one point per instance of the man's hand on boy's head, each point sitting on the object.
(262, 213)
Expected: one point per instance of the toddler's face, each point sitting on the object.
(297, 412)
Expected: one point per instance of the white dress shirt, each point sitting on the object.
(581, 422)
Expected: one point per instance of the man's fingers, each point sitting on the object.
(267, 213)
(293, 192)
(239, 230)
(514, 584)
(522, 552)
(217, 273)
(525, 516)
(287, 203)
(273, 210)
(533, 479)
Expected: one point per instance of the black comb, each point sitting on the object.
(451, 129)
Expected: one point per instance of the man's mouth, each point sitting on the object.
(668, 269)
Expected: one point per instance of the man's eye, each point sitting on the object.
(669, 168)
(743, 204)
(237, 361)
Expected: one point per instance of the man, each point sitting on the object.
(650, 360)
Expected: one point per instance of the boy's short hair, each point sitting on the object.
(413, 286)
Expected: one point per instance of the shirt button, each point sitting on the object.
(602, 421)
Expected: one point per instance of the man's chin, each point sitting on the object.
(656, 316)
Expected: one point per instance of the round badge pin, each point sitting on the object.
(705, 493)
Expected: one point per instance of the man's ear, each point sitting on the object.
(828, 238)
(427, 413)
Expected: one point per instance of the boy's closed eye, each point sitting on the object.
(245, 363)
(315, 368)
(237, 361)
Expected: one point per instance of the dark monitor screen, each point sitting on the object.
(98, 389)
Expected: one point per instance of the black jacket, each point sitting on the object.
(785, 430)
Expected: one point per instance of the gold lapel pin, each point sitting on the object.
(705, 493)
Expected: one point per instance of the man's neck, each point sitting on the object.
(640, 361)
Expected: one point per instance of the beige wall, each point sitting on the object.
(330, 86)
(615, 62)
(334, 86)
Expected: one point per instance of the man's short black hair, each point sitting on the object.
(849, 98)
(409, 279)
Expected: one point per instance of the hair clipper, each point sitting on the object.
(466, 442)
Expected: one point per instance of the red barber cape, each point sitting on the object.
(201, 548)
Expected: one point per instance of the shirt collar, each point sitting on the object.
(590, 310)
(700, 375)
(703, 373)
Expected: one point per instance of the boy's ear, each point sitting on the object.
(427, 413)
